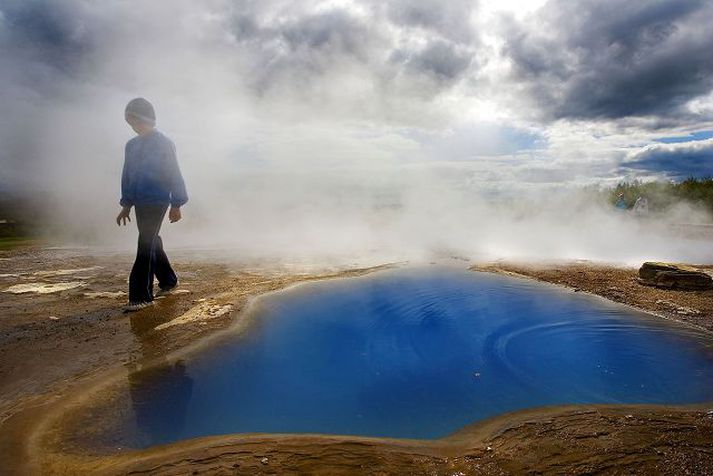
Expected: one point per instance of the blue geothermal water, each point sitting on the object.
(416, 353)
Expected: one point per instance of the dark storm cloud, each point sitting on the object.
(449, 19)
(312, 46)
(312, 42)
(592, 59)
(442, 60)
(281, 43)
(335, 30)
(46, 33)
(676, 161)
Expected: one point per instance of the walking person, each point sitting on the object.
(641, 207)
(152, 184)
(621, 203)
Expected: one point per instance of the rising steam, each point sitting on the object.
(342, 132)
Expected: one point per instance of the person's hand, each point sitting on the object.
(123, 216)
(174, 214)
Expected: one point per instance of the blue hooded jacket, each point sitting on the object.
(151, 175)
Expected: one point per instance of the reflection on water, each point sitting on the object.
(419, 354)
(159, 393)
(159, 397)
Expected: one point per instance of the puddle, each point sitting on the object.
(413, 354)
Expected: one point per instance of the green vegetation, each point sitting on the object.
(8, 243)
(15, 227)
(662, 195)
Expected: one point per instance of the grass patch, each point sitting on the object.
(11, 242)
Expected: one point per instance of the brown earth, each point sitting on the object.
(619, 284)
(49, 367)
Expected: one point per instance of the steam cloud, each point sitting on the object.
(357, 131)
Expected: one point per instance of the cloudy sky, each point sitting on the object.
(527, 92)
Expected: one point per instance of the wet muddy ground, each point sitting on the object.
(61, 314)
(61, 328)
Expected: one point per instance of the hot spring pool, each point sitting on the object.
(416, 353)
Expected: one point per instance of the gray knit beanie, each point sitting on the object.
(141, 109)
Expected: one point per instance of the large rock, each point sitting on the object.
(674, 276)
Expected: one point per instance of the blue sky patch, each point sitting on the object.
(695, 136)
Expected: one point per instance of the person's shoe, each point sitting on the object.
(137, 306)
(165, 291)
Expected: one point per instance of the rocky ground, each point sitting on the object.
(62, 330)
(618, 284)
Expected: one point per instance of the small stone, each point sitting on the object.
(687, 311)
(54, 318)
(264, 460)
(674, 276)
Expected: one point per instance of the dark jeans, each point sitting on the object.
(151, 260)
